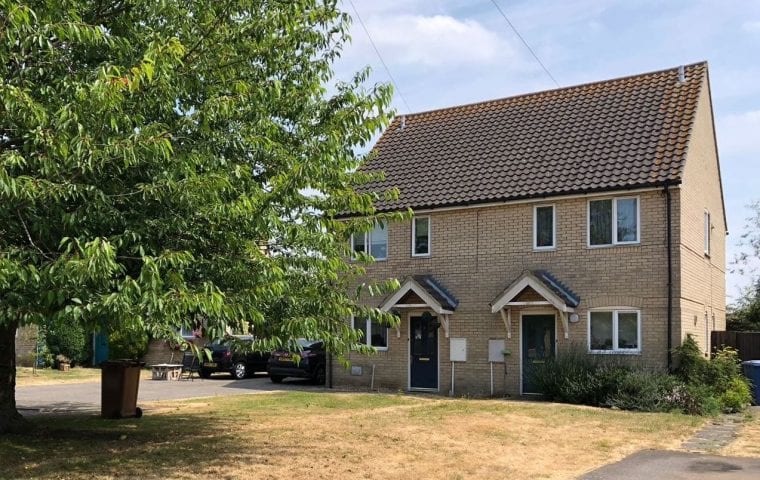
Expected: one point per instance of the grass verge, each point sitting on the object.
(337, 435)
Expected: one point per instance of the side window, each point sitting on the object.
(421, 236)
(544, 227)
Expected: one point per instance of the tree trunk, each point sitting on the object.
(10, 419)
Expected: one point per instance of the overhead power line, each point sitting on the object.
(524, 42)
(387, 70)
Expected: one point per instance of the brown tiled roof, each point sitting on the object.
(616, 134)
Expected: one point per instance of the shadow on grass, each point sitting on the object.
(156, 446)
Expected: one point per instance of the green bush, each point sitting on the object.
(68, 339)
(127, 342)
(643, 391)
(719, 378)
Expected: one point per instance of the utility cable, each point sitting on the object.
(524, 42)
(387, 70)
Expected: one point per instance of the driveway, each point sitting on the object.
(672, 465)
(85, 397)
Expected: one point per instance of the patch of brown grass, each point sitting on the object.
(747, 443)
(337, 435)
(26, 376)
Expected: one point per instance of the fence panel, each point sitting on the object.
(748, 343)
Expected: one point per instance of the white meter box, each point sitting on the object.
(496, 350)
(458, 349)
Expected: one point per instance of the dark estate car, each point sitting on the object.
(312, 364)
(226, 358)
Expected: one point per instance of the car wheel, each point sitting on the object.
(276, 378)
(319, 376)
(204, 374)
(239, 371)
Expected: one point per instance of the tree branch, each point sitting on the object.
(29, 235)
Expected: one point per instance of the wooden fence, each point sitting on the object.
(748, 343)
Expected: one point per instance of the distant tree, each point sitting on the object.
(744, 315)
(180, 162)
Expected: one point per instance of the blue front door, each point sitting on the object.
(99, 348)
(423, 348)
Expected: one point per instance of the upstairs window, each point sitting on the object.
(373, 334)
(613, 221)
(708, 229)
(544, 227)
(421, 237)
(374, 243)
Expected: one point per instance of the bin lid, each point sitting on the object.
(754, 363)
(122, 363)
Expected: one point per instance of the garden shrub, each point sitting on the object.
(719, 378)
(698, 387)
(127, 342)
(68, 339)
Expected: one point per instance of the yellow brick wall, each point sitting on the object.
(476, 253)
(703, 281)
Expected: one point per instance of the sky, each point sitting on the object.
(450, 52)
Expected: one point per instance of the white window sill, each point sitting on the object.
(614, 352)
(544, 249)
(613, 245)
(421, 255)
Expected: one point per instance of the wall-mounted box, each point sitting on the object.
(356, 370)
(496, 350)
(458, 349)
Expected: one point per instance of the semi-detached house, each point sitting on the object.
(589, 218)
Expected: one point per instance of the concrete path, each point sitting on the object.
(85, 397)
(715, 435)
(672, 465)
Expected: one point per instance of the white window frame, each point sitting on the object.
(182, 331)
(615, 312)
(615, 241)
(414, 236)
(368, 332)
(707, 232)
(553, 246)
(368, 244)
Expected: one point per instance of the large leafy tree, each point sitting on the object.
(167, 162)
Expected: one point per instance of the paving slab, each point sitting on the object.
(85, 397)
(674, 465)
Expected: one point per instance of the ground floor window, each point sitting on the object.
(613, 330)
(373, 334)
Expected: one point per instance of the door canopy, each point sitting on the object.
(421, 291)
(546, 290)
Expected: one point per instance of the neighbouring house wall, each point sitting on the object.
(160, 352)
(703, 287)
(478, 252)
(26, 345)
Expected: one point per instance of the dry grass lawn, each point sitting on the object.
(25, 376)
(747, 443)
(336, 435)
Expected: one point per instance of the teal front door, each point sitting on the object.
(538, 340)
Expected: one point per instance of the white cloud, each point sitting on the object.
(433, 41)
(738, 133)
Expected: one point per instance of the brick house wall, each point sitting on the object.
(702, 298)
(477, 252)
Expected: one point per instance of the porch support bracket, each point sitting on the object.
(507, 319)
(565, 325)
(445, 324)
